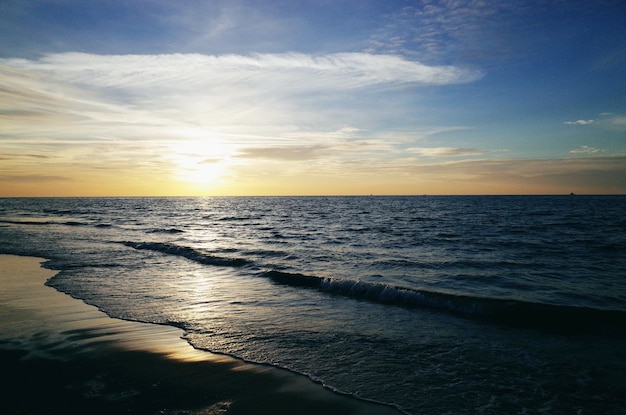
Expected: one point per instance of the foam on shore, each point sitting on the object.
(65, 356)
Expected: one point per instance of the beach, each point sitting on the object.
(62, 356)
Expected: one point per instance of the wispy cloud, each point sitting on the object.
(585, 150)
(173, 94)
(32, 178)
(290, 153)
(297, 71)
(580, 122)
(516, 175)
(445, 151)
(604, 120)
(444, 30)
(234, 104)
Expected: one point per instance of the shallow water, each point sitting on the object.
(436, 304)
(64, 356)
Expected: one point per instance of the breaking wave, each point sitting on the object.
(509, 311)
(189, 253)
(499, 310)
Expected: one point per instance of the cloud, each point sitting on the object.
(26, 156)
(585, 150)
(445, 151)
(605, 120)
(32, 178)
(210, 161)
(580, 122)
(604, 174)
(173, 94)
(451, 30)
(296, 71)
(291, 153)
(484, 32)
(147, 120)
(136, 109)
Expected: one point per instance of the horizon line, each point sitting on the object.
(311, 195)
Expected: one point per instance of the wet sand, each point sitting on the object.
(62, 356)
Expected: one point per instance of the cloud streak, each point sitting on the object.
(580, 122)
(173, 94)
(585, 150)
(301, 72)
(444, 151)
(597, 174)
(291, 153)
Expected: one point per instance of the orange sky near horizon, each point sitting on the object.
(145, 184)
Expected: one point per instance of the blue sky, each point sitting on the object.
(312, 97)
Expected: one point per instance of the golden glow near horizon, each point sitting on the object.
(199, 163)
(408, 103)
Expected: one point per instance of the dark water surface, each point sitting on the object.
(483, 304)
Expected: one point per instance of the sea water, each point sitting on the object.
(482, 304)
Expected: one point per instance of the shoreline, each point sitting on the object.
(65, 356)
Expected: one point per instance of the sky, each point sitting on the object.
(312, 97)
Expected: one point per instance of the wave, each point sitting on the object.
(499, 310)
(238, 218)
(189, 253)
(48, 222)
(75, 223)
(25, 222)
(165, 230)
(491, 309)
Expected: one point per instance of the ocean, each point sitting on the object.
(434, 304)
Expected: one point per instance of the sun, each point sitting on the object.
(199, 163)
(203, 172)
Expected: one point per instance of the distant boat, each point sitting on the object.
(572, 194)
